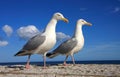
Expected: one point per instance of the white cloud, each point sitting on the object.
(27, 32)
(8, 30)
(61, 36)
(3, 43)
(116, 9)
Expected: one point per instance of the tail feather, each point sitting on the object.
(22, 53)
(51, 55)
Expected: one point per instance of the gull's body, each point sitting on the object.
(42, 43)
(73, 45)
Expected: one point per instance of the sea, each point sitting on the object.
(61, 62)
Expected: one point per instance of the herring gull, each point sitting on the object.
(72, 45)
(42, 43)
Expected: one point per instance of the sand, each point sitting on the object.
(79, 70)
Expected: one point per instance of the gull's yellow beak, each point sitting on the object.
(89, 24)
(65, 20)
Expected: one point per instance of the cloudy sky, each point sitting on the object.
(22, 19)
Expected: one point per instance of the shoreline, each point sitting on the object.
(79, 70)
(60, 62)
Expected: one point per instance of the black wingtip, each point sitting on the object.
(48, 54)
(17, 54)
(51, 55)
(20, 53)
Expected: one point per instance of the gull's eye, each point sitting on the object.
(58, 15)
(82, 21)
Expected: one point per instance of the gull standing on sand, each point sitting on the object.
(73, 45)
(42, 43)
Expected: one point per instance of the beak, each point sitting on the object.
(65, 20)
(89, 24)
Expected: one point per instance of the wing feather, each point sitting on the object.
(34, 42)
(66, 47)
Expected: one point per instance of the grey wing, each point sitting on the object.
(34, 42)
(66, 47)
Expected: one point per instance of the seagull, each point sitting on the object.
(72, 45)
(42, 43)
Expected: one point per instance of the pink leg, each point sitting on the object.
(44, 60)
(27, 66)
(65, 64)
(73, 59)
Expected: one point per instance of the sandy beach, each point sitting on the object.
(79, 70)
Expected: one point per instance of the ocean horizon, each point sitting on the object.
(61, 62)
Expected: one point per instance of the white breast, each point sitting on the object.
(79, 46)
(47, 45)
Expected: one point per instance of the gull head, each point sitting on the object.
(83, 22)
(59, 16)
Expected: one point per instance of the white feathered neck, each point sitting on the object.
(78, 32)
(51, 27)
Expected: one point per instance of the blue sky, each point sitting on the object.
(102, 40)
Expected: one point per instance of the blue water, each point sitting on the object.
(69, 62)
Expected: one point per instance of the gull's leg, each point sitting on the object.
(73, 59)
(44, 56)
(28, 62)
(65, 64)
